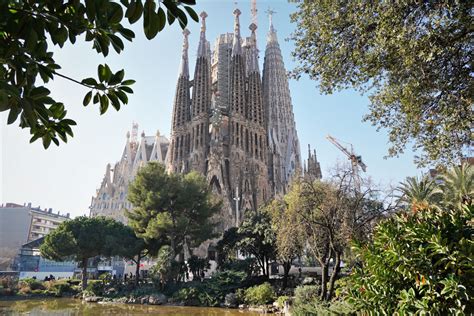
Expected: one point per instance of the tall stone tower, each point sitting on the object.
(236, 130)
(284, 158)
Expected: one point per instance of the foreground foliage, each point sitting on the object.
(307, 302)
(29, 28)
(171, 209)
(414, 57)
(420, 261)
(81, 239)
(260, 294)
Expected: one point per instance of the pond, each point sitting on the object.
(70, 307)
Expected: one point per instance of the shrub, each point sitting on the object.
(240, 296)
(306, 294)
(9, 284)
(419, 262)
(27, 286)
(247, 265)
(260, 294)
(33, 284)
(282, 300)
(189, 296)
(143, 290)
(95, 287)
(59, 288)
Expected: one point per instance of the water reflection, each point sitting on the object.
(72, 307)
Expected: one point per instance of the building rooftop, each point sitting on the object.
(38, 210)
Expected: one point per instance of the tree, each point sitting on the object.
(82, 238)
(27, 28)
(414, 57)
(134, 248)
(418, 190)
(419, 262)
(227, 246)
(457, 185)
(198, 266)
(332, 213)
(166, 268)
(289, 238)
(174, 208)
(257, 238)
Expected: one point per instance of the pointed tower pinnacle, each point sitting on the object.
(184, 68)
(253, 62)
(271, 33)
(254, 10)
(236, 45)
(202, 48)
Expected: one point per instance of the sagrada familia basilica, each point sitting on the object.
(231, 123)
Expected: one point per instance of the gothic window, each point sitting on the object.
(202, 134)
(237, 135)
(197, 136)
(246, 140)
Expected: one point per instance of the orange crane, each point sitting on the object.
(356, 160)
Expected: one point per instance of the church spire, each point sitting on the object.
(203, 47)
(236, 45)
(253, 62)
(271, 32)
(184, 68)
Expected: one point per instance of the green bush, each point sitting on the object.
(240, 296)
(419, 262)
(281, 300)
(188, 296)
(247, 265)
(143, 290)
(33, 284)
(95, 287)
(306, 301)
(62, 288)
(37, 292)
(59, 287)
(260, 294)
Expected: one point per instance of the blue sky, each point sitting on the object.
(66, 177)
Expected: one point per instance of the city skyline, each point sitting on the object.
(66, 177)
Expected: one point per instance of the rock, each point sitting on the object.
(132, 300)
(121, 300)
(143, 300)
(111, 291)
(93, 299)
(308, 280)
(258, 309)
(230, 300)
(242, 306)
(157, 299)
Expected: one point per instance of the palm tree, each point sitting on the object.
(417, 190)
(457, 185)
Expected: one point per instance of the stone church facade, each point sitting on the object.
(237, 126)
(230, 122)
(110, 199)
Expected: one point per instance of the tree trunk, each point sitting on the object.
(286, 272)
(84, 273)
(137, 271)
(334, 275)
(324, 278)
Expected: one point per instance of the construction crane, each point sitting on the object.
(356, 160)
